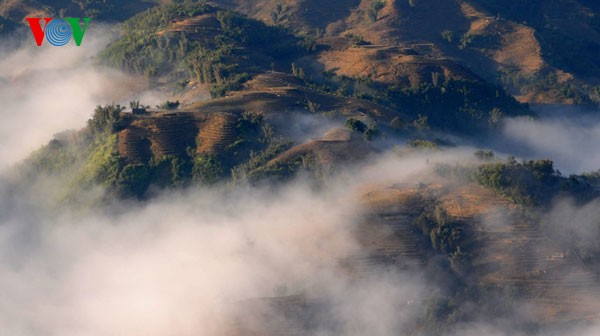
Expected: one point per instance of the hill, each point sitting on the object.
(267, 92)
(529, 48)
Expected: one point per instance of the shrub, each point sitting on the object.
(169, 105)
(355, 125)
(484, 155)
(376, 7)
(207, 169)
(133, 181)
(105, 119)
(279, 13)
(448, 36)
(446, 237)
(465, 41)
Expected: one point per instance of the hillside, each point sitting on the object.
(351, 154)
(15, 11)
(542, 53)
(528, 48)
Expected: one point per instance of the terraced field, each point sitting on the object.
(509, 252)
(157, 136)
(388, 233)
(216, 133)
(505, 250)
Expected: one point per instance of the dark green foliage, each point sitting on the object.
(447, 35)
(260, 159)
(454, 105)
(207, 170)
(370, 132)
(250, 138)
(312, 106)
(171, 171)
(307, 43)
(135, 104)
(423, 144)
(277, 172)
(169, 105)
(469, 107)
(133, 180)
(357, 40)
(297, 71)
(105, 119)
(107, 171)
(530, 182)
(279, 13)
(465, 41)
(355, 125)
(484, 155)
(249, 124)
(446, 237)
(142, 50)
(223, 57)
(376, 7)
(495, 118)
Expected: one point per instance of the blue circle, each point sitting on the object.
(58, 32)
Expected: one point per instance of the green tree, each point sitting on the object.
(355, 125)
(376, 7)
(421, 123)
(484, 155)
(133, 181)
(105, 119)
(448, 35)
(465, 41)
(207, 169)
(279, 13)
(495, 118)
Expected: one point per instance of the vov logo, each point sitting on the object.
(58, 32)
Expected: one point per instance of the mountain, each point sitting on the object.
(542, 52)
(348, 95)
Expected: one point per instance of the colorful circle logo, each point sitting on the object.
(58, 32)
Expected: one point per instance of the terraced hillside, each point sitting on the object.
(158, 135)
(216, 133)
(505, 250)
(336, 146)
(388, 233)
(276, 92)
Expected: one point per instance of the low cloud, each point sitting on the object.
(182, 264)
(46, 90)
(570, 140)
(212, 262)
